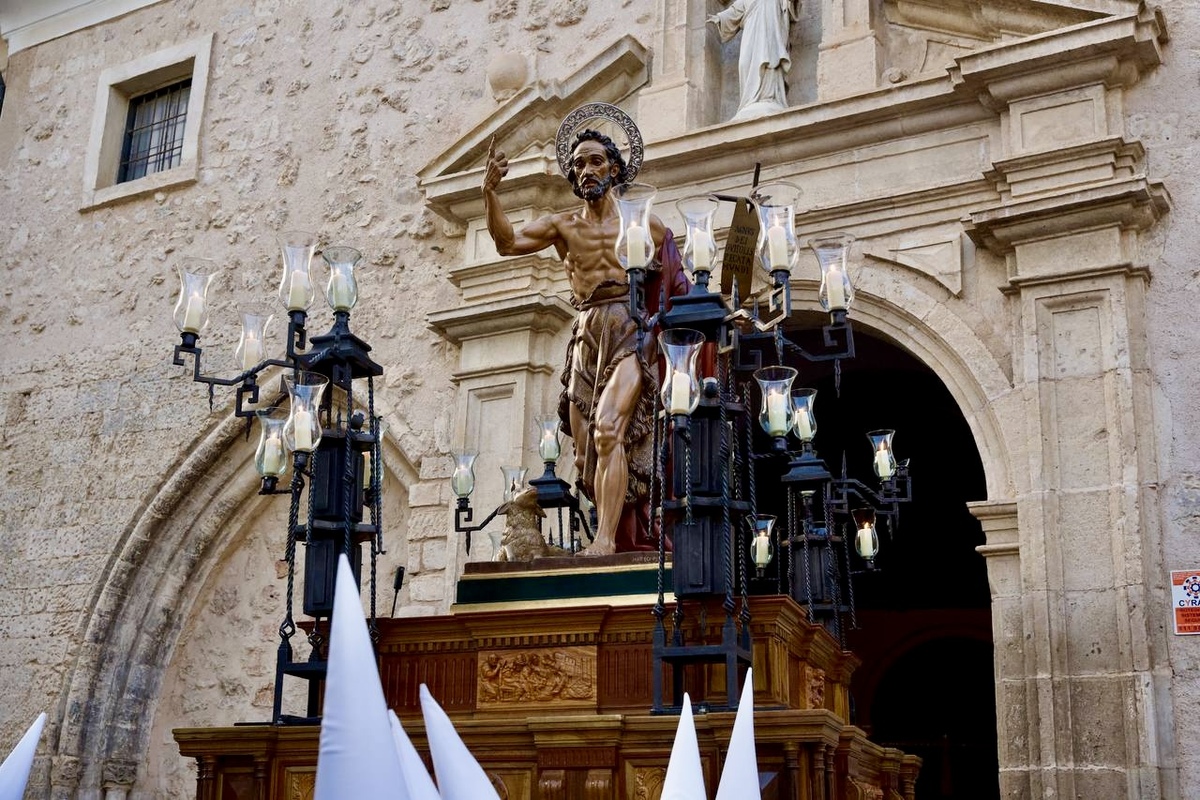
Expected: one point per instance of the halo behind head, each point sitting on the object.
(609, 120)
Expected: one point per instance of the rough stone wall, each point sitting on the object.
(318, 117)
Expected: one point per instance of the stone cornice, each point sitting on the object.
(1113, 50)
(1134, 203)
(536, 311)
(987, 21)
(999, 522)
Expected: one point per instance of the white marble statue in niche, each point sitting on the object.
(763, 61)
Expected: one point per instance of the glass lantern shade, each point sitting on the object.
(191, 309)
(342, 289)
(680, 389)
(251, 349)
(700, 247)
(884, 458)
(462, 480)
(549, 446)
(776, 204)
(270, 458)
(805, 425)
(514, 481)
(832, 251)
(303, 431)
(762, 547)
(777, 415)
(635, 245)
(866, 540)
(296, 290)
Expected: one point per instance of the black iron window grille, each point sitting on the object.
(154, 131)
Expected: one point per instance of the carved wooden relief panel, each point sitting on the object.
(564, 676)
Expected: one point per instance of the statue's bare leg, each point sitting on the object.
(614, 410)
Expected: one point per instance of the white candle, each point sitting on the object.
(761, 550)
(777, 247)
(681, 393)
(367, 473)
(883, 464)
(865, 546)
(462, 481)
(341, 296)
(272, 463)
(635, 245)
(302, 430)
(803, 426)
(193, 314)
(298, 292)
(777, 413)
(835, 290)
(548, 448)
(702, 253)
(251, 351)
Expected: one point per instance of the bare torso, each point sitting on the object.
(587, 245)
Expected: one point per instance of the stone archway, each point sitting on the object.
(149, 588)
(932, 585)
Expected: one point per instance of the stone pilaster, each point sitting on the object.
(1074, 197)
(1002, 550)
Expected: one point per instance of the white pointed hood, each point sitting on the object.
(416, 777)
(357, 757)
(739, 778)
(685, 775)
(459, 775)
(14, 772)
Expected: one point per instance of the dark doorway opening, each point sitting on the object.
(922, 620)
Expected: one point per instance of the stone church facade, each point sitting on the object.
(1019, 176)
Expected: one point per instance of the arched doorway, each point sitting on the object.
(922, 619)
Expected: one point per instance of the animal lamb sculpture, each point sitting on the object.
(522, 539)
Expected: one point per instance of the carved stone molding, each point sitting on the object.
(65, 772)
(1112, 51)
(1131, 204)
(118, 774)
(983, 21)
(538, 313)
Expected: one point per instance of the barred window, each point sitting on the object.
(154, 131)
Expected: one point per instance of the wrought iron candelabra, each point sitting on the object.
(333, 437)
(738, 484)
(716, 470)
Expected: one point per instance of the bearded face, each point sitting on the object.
(593, 189)
(591, 171)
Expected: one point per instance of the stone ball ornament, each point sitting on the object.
(609, 120)
(507, 74)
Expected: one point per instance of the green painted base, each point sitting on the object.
(619, 579)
